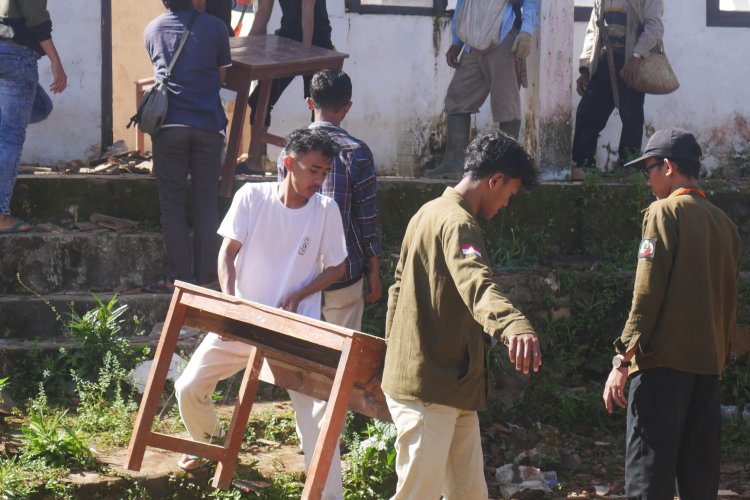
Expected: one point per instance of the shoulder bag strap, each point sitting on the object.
(182, 43)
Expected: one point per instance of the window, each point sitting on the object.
(405, 7)
(728, 13)
(582, 10)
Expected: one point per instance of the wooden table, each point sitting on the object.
(265, 58)
(315, 358)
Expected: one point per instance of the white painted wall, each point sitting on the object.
(73, 130)
(399, 76)
(398, 68)
(712, 101)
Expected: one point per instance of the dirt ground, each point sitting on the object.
(594, 469)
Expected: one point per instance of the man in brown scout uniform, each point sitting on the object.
(440, 309)
(675, 342)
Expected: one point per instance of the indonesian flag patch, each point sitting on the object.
(469, 249)
(646, 249)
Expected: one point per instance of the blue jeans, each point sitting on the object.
(19, 78)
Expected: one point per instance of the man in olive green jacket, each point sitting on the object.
(676, 340)
(443, 302)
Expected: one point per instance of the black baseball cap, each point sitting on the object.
(673, 143)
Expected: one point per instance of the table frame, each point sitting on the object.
(319, 359)
(246, 67)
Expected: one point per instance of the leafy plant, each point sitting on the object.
(22, 478)
(96, 332)
(281, 428)
(102, 409)
(50, 439)
(370, 471)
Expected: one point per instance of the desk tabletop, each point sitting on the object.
(268, 51)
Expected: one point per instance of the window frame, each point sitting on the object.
(716, 17)
(438, 9)
(582, 14)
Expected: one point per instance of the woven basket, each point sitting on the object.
(655, 75)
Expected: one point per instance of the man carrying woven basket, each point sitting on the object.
(620, 34)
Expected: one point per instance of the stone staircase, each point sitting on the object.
(46, 273)
(568, 228)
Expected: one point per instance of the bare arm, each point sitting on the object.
(328, 277)
(59, 78)
(262, 16)
(308, 21)
(226, 267)
(373, 281)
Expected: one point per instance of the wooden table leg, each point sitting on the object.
(333, 420)
(259, 126)
(155, 386)
(233, 441)
(239, 82)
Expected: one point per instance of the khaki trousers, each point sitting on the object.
(490, 73)
(216, 359)
(438, 452)
(344, 307)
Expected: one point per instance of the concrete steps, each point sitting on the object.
(565, 228)
(36, 317)
(73, 260)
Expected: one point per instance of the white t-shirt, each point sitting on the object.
(283, 249)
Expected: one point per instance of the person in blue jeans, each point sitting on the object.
(25, 36)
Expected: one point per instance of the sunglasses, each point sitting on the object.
(647, 170)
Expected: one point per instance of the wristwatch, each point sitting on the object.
(618, 362)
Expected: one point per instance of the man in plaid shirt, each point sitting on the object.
(352, 184)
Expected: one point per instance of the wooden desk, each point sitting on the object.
(265, 58)
(315, 358)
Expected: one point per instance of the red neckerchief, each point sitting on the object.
(680, 191)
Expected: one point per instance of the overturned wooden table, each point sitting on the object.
(315, 358)
(265, 58)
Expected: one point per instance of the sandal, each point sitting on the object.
(19, 227)
(192, 462)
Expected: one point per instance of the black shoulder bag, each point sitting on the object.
(152, 110)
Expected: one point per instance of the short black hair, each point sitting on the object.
(495, 152)
(301, 141)
(689, 167)
(175, 5)
(331, 89)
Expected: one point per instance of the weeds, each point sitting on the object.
(21, 478)
(49, 438)
(370, 472)
(102, 409)
(96, 332)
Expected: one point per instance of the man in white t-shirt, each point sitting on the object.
(283, 244)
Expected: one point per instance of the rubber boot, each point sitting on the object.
(512, 128)
(456, 140)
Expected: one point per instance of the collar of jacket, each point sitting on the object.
(454, 195)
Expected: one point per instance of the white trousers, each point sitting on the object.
(344, 307)
(216, 359)
(438, 452)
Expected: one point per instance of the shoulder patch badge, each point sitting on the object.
(469, 249)
(646, 249)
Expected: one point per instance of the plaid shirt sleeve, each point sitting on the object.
(364, 200)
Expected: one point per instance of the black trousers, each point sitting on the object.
(278, 86)
(673, 432)
(595, 108)
(179, 151)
